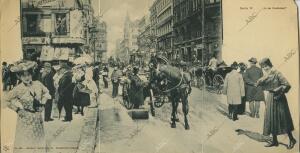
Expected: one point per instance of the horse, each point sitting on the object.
(178, 84)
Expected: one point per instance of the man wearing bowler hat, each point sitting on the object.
(254, 95)
(65, 91)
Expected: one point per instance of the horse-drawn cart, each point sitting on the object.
(158, 98)
(205, 78)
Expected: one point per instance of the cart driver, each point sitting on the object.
(212, 68)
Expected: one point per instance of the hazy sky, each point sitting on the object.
(115, 13)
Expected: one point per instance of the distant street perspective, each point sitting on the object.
(132, 76)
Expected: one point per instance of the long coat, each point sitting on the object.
(234, 87)
(136, 92)
(48, 82)
(65, 89)
(251, 76)
(278, 119)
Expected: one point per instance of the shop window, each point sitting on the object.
(61, 24)
(31, 53)
(32, 22)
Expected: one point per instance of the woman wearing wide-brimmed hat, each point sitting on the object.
(278, 119)
(27, 100)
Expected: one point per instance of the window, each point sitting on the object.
(32, 23)
(61, 24)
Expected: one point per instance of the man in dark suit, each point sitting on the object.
(47, 80)
(254, 95)
(115, 79)
(65, 91)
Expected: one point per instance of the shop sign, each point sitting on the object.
(49, 53)
(35, 40)
(68, 41)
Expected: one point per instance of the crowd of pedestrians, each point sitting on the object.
(249, 85)
(40, 93)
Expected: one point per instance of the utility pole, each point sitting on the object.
(203, 29)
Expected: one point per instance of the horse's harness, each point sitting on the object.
(175, 87)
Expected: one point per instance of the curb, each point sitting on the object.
(88, 133)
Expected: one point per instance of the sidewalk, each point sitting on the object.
(61, 137)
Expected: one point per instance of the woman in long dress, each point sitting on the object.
(278, 118)
(27, 100)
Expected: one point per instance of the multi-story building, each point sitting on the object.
(164, 27)
(54, 30)
(146, 44)
(100, 39)
(197, 29)
(129, 43)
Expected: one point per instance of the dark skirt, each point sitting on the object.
(278, 119)
(81, 98)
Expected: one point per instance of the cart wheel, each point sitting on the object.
(201, 83)
(218, 83)
(158, 103)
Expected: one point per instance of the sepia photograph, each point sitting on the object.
(149, 76)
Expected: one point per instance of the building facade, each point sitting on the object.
(129, 44)
(146, 41)
(164, 27)
(55, 30)
(100, 39)
(197, 29)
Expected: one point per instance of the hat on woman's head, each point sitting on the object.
(265, 62)
(23, 65)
